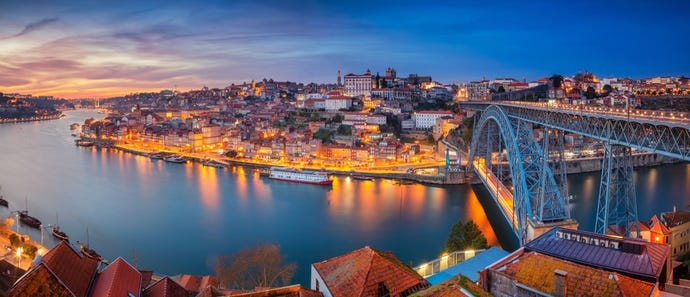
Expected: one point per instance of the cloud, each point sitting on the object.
(36, 26)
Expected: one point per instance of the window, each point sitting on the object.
(383, 290)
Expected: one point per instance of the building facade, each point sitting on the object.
(358, 85)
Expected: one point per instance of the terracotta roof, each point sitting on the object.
(362, 272)
(165, 287)
(74, 270)
(453, 288)
(629, 256)
(146, 276)
(37, 280)
(195, 283)
(655, 225)
(289, 291)
(673, 219)
(118, 279)
(537, 271)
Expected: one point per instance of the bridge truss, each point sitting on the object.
(500, 140)
(620, 130)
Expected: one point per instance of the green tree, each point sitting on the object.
(465, 236)
(590, 93)
(556, 80)
(231, 154)
(501, 89)
(608, 88)
(345, 130)
(14, 240)
(324, 135)
(260, 266)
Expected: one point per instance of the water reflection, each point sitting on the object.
(475, 212)
(208, 188)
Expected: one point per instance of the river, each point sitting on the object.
(176, 218)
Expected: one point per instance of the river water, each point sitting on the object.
(176, 218)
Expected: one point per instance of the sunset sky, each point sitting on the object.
(78, 49)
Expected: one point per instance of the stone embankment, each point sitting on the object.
(31, 119)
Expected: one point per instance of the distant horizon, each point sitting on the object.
(76, 49)
(157, 90)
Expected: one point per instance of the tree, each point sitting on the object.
(590, 93)
(608, 88)
(501, 89)
(465, 236)
(556, 80)
(260, 266)
(231, 154)
(345, 130)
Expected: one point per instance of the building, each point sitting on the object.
(365, 272)
(478, 90)
(62, 270)
(358, 85)
(426, 119)
(564, 262)
(337, 103)
(678, 225)
(118, 279)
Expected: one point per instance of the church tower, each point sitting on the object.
(339, 78)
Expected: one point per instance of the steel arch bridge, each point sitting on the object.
(538, 196)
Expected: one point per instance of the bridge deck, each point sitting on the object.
(502, 195)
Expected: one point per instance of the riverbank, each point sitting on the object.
(9, 254)
(393, 172)
(31, 119)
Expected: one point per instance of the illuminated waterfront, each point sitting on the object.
(176, 218)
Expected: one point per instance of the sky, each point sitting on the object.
(82, 49)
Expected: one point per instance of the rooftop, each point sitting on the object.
(677, 218)
(165, 287)
(365, 271)
(628, 256)
(71, 268)
(118, 279)
(470, 267)
(537, 271)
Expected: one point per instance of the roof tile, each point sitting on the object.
(363, 271)
(73, 269)
(118, 279)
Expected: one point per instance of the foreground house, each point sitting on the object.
(564, 262)
(365, 272)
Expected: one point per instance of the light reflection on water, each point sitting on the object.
(133, 203)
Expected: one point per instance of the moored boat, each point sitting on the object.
(28, 220)
(362, 177)
(300, 176)
(60, 234)
(89, 252)
(85, 143)
(175, 159)
(156, 156)
(57, 232)
(212, 163)
(3, 202)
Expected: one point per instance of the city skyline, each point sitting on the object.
(79, 49)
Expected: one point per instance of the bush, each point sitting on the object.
(14, 240)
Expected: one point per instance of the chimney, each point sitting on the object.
(559, 287)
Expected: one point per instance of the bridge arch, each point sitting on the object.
(535, 193)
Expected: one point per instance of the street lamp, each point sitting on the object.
(19, 255)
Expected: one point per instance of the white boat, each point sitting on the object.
(175, 159)
(213, 163)
(300, 176)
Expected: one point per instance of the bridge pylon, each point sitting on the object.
(617, 204)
